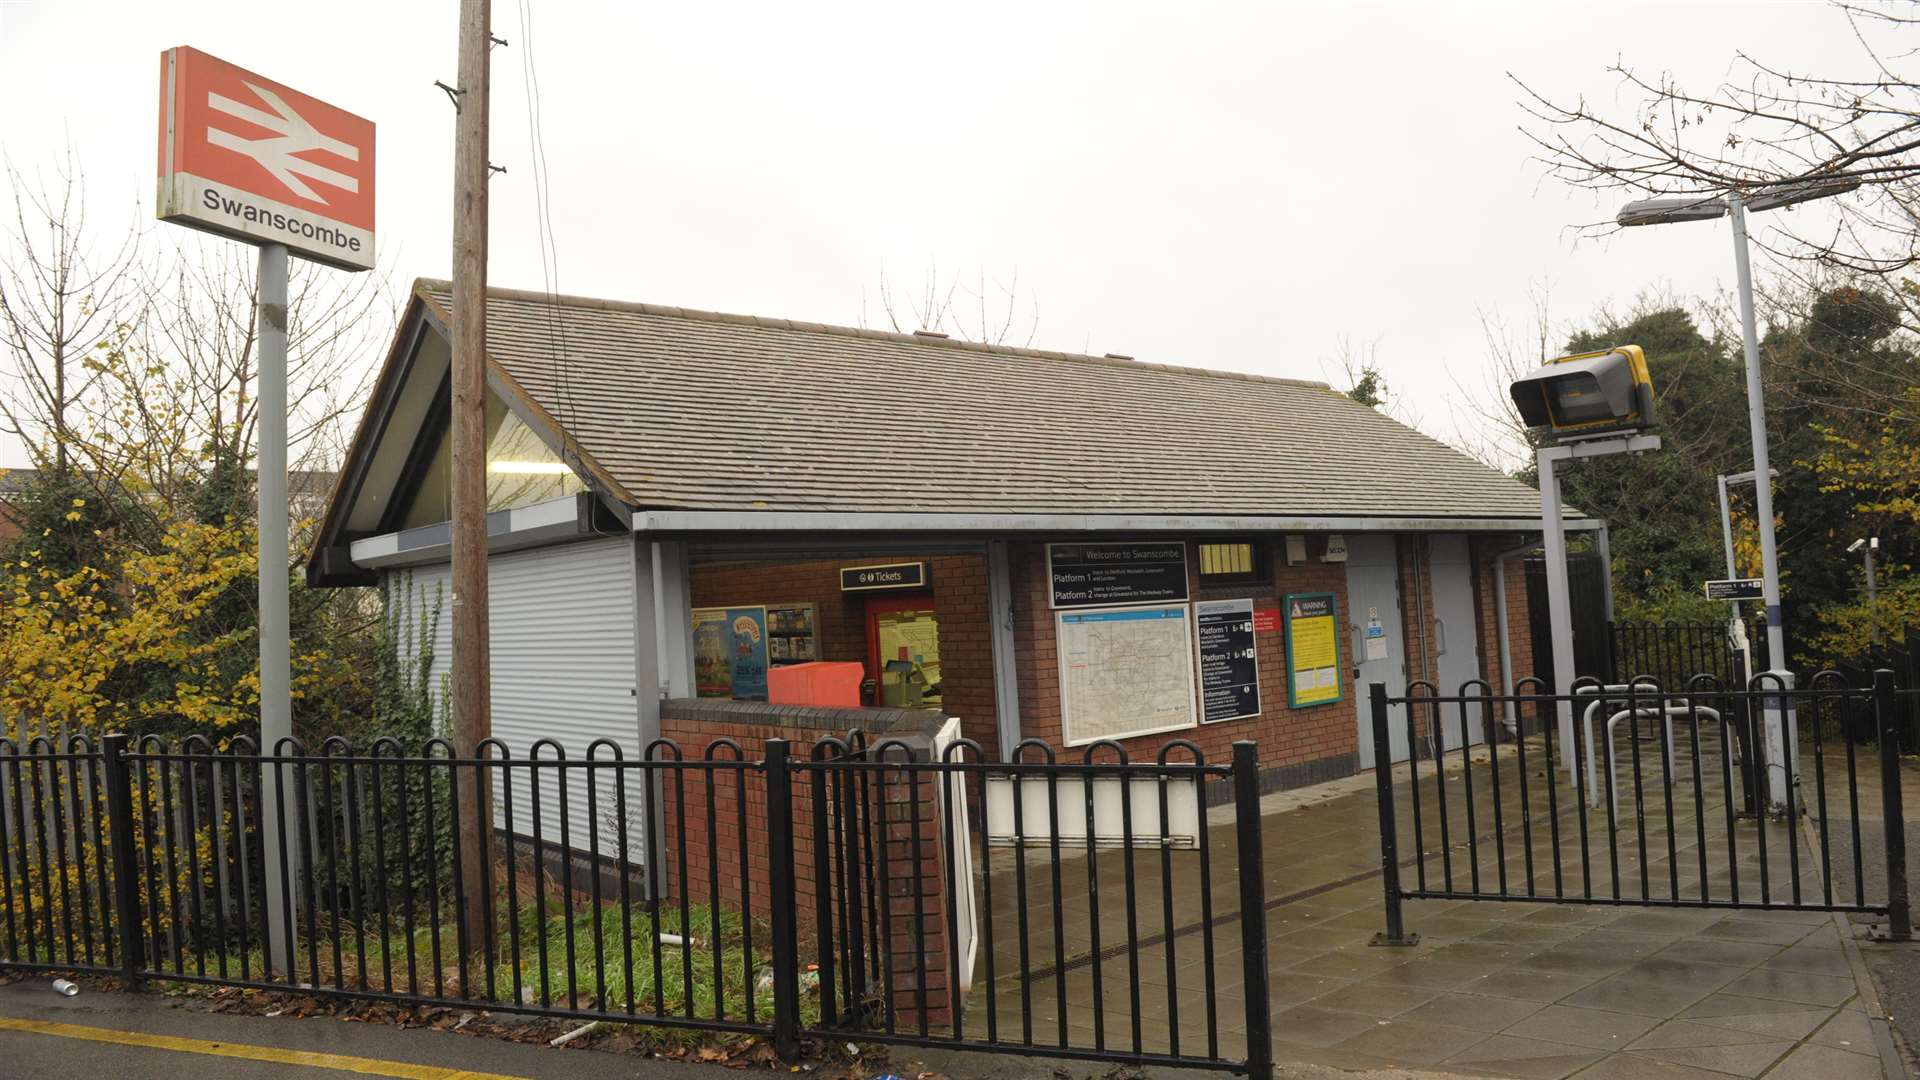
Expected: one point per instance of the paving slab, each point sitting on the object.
(1815, 1062)
(1680, 1033)
(1794, 986)
(1743, 1059)
(1412, 1042)
(1595, 1029)
(1473, 1012)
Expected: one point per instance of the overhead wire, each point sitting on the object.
(556, 324)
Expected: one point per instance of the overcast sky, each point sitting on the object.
(1231, 186)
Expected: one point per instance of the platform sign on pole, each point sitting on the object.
(249, 158)
(1734, 588)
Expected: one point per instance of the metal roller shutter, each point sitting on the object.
(563, 666)
(563, 662)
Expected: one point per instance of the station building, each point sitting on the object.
(1046, 546)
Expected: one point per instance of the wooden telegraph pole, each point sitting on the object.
(472, 689)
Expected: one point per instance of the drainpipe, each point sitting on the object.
(1500, 628)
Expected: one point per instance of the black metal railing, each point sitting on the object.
(1708, 797)
(1670, 653)
(870, 893)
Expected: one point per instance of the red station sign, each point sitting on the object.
(249, 158)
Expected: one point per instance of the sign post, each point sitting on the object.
(276, 665)
(248, 158)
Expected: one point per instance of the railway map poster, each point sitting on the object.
(1125, 671)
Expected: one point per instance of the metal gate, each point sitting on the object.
(1647, 802)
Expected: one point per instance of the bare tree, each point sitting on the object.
(1761, 129)
(1360, 372)
(197, 341)
(60, 300)
(995, 309)
(1486, 425)
(140, 372)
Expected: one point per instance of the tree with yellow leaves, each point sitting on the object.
(88, 650)
(1879, 468)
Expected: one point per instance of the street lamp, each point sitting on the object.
(1867, 547)
(1735, 205)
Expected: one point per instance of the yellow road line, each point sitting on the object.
(275, 1055)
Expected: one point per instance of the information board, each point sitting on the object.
(1107, 575)
(1313, 649)
(1229, 666)
(1124, 671)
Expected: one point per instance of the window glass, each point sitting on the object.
(521, 470)
(1223, 559)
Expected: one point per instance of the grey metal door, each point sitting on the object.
(1375, 641)
(1455, 640)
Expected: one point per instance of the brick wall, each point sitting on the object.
(909, 860)
(1297, 744)
(959, 591)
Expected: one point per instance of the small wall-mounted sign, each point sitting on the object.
(1734, 589)
(906, 575)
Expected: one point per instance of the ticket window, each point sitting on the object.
(903, 651)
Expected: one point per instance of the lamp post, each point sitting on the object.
(1735, 205)
(1867, 546)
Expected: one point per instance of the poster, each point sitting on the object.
(1102, 575)
(1124, 672)
(730, 653)
(1313, 649)
(1229, 666)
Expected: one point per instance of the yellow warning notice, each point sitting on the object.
(1313, 649)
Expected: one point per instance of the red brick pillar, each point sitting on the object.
(905, 807)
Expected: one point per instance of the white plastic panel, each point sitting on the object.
(1035, 825)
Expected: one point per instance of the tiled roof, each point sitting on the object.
(701, 411)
